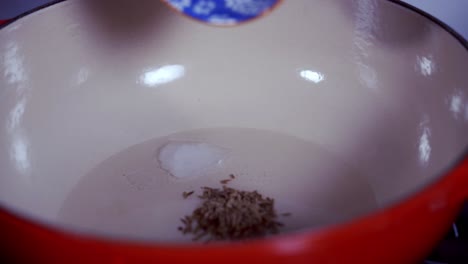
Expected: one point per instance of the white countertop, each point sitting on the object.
(452, 12)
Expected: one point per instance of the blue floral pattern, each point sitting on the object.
(222, 12)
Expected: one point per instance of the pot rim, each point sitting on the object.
(449, 180)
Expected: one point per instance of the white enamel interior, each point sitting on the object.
(379, 86)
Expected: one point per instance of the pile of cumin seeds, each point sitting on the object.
(231, 214)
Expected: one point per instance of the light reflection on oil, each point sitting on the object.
(425, 65)
(16, 114)
(13, 64)
(424, 146)
(312, 76)
(16, 76)
(19, 152)
(367, 75)
(82, 76)
(162, 75)
(458, 105)
(364, 36)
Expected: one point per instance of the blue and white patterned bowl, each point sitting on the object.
(223, 12)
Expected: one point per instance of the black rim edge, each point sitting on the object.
(34, 10)
(437, 21)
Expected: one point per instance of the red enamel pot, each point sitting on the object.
(353, 115)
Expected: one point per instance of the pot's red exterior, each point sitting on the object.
(404, 233)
